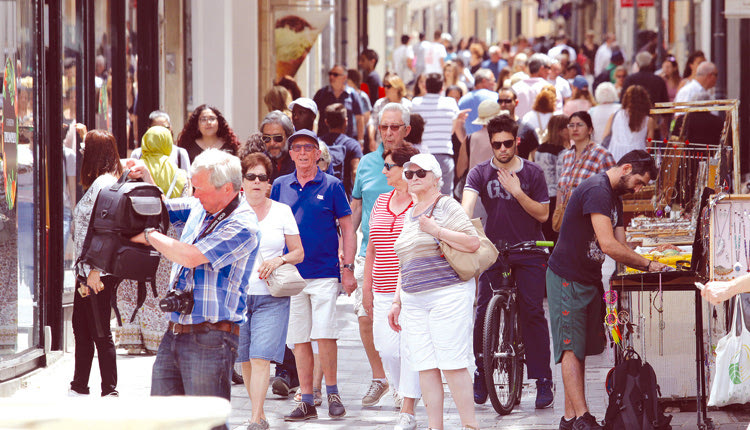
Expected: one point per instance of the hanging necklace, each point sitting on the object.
(721, 228)
(736, 230)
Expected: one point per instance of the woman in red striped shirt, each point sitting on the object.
(381, 276)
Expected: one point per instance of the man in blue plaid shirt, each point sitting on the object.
(214, 259)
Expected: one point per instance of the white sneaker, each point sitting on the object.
(74, 393)
(406, 422)
(398, 401)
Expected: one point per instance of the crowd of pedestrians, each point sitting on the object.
(509, 132)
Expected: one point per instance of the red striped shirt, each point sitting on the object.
(385, 227)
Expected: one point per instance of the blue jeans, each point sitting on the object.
(195, 364)
(530, 272)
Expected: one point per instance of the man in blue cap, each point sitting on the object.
(318, 201)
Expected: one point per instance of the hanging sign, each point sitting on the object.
(10, 132)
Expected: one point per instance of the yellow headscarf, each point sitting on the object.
(156, 147)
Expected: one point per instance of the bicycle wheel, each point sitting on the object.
(500, 361)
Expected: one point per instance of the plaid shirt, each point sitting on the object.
(594, 159)
(219, 286)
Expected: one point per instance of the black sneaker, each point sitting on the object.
(480, 390)
(335, 407)
(281, 385)
(302, 412)
(566, 424)
(586, 422)
(544, 394)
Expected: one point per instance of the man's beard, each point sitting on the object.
(621, 187)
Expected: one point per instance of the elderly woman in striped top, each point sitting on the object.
(381, 277)
(431, 303)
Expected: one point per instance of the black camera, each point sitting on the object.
(177, 301)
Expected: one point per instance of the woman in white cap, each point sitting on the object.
(431, 303)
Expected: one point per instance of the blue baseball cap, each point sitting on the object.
(302, 133)
(580, 82)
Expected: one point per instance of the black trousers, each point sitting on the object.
(91, 317)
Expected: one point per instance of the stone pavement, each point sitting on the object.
(354, 379)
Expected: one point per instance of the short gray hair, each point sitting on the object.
(536, 62)
(223, 168)
(482, 75)
(396, 107)
(278, 117)
(159, 114)
(606, 93)
(643, 59)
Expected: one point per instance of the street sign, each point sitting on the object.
(641, 3)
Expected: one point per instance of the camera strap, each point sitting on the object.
(221, 216)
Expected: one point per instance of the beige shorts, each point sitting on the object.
(312, 313)
(359, 275)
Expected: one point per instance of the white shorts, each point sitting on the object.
(391, 346)
(438, 327)
(359, 275)
(312, 313)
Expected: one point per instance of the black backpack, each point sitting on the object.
(120, 212)
(633, 394)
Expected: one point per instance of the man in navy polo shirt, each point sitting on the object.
(317, 200)
(339, 92)
(514, 194)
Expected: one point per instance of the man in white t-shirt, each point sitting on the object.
(705, 79)
(561, 84)
(403, 60)
(604, 54)
(527, 89)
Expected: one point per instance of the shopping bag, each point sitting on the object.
(732, 381)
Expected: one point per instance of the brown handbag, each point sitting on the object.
(469, 264)
(557, 215)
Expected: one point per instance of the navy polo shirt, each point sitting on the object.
(316, 207)
(351, 101)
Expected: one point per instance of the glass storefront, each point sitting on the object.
(19, 239)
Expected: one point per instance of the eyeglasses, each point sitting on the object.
(334, 74)
(278, 138)
(394, 127)
(387, 86)
(573, 125)
(208, 119)
(307, 147)
(389, 166)
(421, 173)
(252, 176)
(499, 143)
(505, 101)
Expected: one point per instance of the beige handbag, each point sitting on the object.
(285, 281)
(469, 264)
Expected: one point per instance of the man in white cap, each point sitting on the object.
(304, 112)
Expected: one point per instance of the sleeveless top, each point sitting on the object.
(623, 139)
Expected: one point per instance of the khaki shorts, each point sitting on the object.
(576, 317)
(359, 275)
(312, 313)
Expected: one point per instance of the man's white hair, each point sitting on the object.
(396, 107)
(223, 168)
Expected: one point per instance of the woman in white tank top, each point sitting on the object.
(631, 126)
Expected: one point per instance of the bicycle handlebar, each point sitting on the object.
(529, 244)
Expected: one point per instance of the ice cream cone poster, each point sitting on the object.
(294, 37)
(10, 132)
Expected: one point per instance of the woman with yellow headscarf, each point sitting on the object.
(156, 147)
(144, 333)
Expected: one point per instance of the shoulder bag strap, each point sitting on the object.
(435, 204)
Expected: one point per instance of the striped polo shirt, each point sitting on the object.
(385, 227)
(438, 113)
(423, 267)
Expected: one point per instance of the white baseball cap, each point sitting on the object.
(426, 162)
(306, 103)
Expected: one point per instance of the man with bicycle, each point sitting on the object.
(592, 227)
(513, 191)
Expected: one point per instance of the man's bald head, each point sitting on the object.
(706, 74)
(705, 68)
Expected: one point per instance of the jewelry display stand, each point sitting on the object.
(729, 237)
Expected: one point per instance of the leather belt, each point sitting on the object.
(205, 327)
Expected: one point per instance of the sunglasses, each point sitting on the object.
(278, 138)
(505, 101)
(389, 166)
(335, 74)
(500, 143)
(307, 147)
(421, 173)
(387, 86)
(394, 127)
(252, 176)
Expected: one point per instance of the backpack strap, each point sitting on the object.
(113, 303)
(141, 298)
(120, 182)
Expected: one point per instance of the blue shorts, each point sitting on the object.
(263, 335)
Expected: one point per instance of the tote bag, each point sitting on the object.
(285, 281)
(732, 381)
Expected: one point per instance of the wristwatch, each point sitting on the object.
(348, 266)
(146, 232)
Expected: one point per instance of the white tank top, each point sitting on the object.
(623, 139)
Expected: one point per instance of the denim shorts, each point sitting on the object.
(263, 335)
